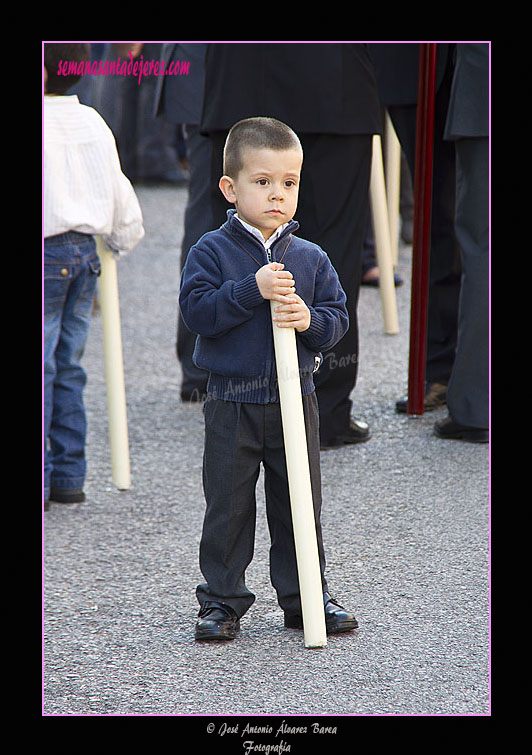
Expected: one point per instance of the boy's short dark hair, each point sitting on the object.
(54, 53)
(256, 133)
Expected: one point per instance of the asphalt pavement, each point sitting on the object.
(406, 530)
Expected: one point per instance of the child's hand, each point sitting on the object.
(294, 314)
(274, 282)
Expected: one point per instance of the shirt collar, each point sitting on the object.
(255, 231)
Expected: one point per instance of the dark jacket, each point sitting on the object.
(468, 114)
(179, 99)
(221, 302)
(397, 68)
(313, 87)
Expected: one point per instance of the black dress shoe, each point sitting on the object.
(337, 619)
(435, 397)
(74, 495)
(357, 432)
(451, 430)
(216, 622)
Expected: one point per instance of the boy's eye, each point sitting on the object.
(262, 181)
(290, 183)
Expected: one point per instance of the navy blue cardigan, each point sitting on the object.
(221, 302)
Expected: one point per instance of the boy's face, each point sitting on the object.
(266, 189)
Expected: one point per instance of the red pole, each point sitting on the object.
(421, 235)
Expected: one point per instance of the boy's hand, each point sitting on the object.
(294, 314)
(274, 282)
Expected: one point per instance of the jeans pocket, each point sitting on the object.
(57, 278)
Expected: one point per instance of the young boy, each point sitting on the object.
(84, 193)
(230, 276)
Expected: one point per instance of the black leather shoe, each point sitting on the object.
(75, 495)
(357, 432)
(337, 619)
(449, 429)
(216, 622)
(435, 397)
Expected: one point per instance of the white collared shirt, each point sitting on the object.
(255, 231)
(84, 188)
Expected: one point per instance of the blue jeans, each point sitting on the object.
(71, 267)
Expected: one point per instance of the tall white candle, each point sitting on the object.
(297, 464)
(114, 368)
(383, 249)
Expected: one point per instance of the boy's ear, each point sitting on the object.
(227, 188)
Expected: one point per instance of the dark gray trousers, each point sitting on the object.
(468, 391)
(239, 437)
